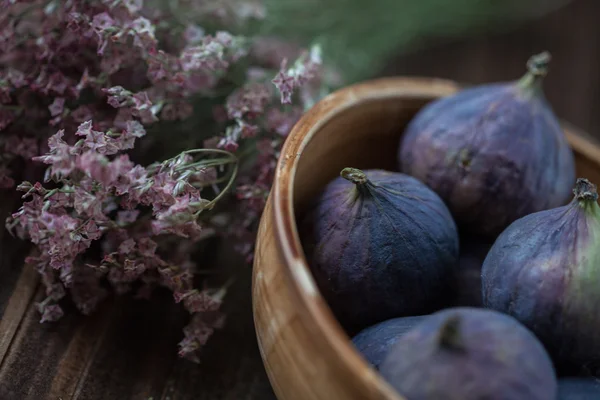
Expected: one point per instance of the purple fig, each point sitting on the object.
(376, 341)
(468, 353)
(467, 280)
(380, 245)
(494, 152)
(577, 388)
(544, 270)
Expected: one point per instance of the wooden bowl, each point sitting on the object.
(306, 353)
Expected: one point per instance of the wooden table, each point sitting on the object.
(126, 350)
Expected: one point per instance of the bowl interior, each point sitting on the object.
(363, 135)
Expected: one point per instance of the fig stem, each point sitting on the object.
(585, 190)
(450, 337)
(354, 175)
(537, 68)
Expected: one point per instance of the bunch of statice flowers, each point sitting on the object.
(83, 82)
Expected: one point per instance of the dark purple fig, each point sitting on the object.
(375, 341)
(544, 270)
(575, 388)
(494, 152)
(381, 245)
(469, 353)
(467, 280)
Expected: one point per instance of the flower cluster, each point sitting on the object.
(100, 195)
(81, 81)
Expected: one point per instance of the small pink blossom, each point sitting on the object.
(57, 107)
(304, 69)
(133, 6)
(118, 96)
(127, 246)
(147, 247)
(50, 312)
(250, 99)
(143, 32)
(97, 167)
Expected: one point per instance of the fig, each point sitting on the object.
(467, 281)
(494, 152)
(375, 341)
(380, 245)
(467, 353)
(576, 388)
(544, 270)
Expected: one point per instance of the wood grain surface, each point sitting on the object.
(127, 350)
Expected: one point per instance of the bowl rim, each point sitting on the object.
(296, 269)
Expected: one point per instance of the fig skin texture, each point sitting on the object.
(575, 388)
(544, 270)
(494, 152)
(376, 341)
(380, 245)
(467, 353)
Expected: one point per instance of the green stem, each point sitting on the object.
(537, 69)
(354, 175)
(225, 189)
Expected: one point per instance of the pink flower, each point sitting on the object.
(285, 83)
(133, 6)
(127, 247)
(57, 106)
(87, 204)
(304, 69)
(97, 167)
(143, 108)
(62, 162)
(118, 96)
(214, 54)
(103, 24)
(147, 247)
(91, 230)
(143, 32)
(228, 143)
(250, 99)
(50, 313)
(197, 333)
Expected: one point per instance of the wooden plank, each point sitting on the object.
(231, 367)
(16, 308)
(138, 351)
(32, 361)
